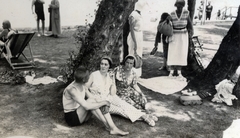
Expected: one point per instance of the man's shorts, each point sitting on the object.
(72, 118)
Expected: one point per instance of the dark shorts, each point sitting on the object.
(72, 118)
(40, 16)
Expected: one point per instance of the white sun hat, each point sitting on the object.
(140, 4)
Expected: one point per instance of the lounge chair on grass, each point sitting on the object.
(14, 48)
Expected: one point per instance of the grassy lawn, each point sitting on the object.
(36, 111)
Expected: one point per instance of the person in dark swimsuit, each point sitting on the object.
(38, 4)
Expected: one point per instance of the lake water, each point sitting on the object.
(77, 12)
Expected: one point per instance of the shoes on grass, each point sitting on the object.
(163, 68)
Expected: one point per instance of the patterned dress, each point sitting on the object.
(178, 48)
(125, 88)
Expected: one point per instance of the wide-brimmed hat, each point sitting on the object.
(180, 3)
(139, 5)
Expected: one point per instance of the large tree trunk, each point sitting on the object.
(225, 61)
(105, 34)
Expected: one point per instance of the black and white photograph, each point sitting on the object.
(119, 68)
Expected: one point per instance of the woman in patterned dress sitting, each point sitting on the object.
(126, 83)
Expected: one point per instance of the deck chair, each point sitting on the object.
(197, 45)
(16, 45)
(196, 42)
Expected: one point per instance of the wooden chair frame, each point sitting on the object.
(16, 45)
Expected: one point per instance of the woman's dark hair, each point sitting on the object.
(129, 57)
(81, 74)
(164, 16)
(109, 59)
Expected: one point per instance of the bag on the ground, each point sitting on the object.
(165, 28)
(154, 50)
(190, 100)
(138, 62)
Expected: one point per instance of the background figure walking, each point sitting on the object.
(209, 9)
(37, 5)
(55, 18)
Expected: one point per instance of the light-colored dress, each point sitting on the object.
(135, 22)
(125, 88)
(117, 106)
(55, 17)
(178, 48)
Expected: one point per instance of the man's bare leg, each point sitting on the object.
(43, 27)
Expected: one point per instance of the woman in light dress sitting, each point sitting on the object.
(102, 84)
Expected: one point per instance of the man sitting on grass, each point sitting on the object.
(78, 110)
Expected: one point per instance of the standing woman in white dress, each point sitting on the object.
(182, 30)
(135, 36)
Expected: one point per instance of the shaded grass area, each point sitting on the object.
(36, 110)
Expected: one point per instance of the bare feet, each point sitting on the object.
(148, 120)
(117, 131)
(154, 117)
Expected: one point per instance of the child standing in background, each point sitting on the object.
(162, 38)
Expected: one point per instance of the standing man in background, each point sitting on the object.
(38, 6)
(209, 9)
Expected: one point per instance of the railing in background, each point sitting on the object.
(227, 12)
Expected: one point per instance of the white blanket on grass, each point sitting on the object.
(163, 84)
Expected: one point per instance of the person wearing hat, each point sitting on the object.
(101, 84)
(135, 36)
(178, 47)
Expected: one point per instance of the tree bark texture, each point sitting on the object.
(225, 61)
(105, 34)
(191, 8)
(236, 90)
